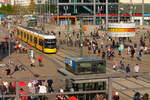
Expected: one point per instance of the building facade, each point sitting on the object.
(134, 1)
(90, 11)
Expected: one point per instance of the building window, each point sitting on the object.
(39, 1)
(63, 1)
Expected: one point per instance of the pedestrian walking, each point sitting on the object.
(136, 68)
(128, 50)
(145, 96)
(139, 54)
(128, 69)
(50, 85)
(137, 96)
(89, 49)
(59, 33)
(40, 58)
(119, 51)
(103, 55)
(114, 67)
(99, 52)
(32, 62)
(8, 71)
(132, 52)
(116, 96)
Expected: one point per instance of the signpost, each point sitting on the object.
(81, 41)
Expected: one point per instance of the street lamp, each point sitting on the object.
(106, 4)
(132, 9)
(100, 8)
(143, 11)
(9, 42)
(119, 12)
(67, 21)
(66, 9)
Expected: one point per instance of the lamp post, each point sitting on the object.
(132, 9)
(67, 19)
(57, 2)
(143, 10)
(9, 42)
(66, 8)
(81, 41)
(106, 14)
(99, 8)
(119, 14)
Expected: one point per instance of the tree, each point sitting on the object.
(32, 7)
(46, 8)
(6, 9)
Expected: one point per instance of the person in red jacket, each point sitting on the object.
(40, 58)
(22, 92)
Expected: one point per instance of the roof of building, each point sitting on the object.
(84, 59)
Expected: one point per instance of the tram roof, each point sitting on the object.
(37, 32)
(84, 59)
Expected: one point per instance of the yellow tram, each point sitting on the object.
(44, 43)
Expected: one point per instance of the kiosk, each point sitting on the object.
(86, 65)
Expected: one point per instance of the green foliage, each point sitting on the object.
(32, 7)
(45, 8)
(8, 9)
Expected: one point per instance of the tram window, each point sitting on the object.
(24, 35)
(27, 36)
(40, 42)
(31, 38)
(50, 43)
(35, 40)
(21, 34)
(18, 32)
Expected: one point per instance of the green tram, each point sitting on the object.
(85, 67)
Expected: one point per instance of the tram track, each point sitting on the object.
(134, 82)
(58, 59)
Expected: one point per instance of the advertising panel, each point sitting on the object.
(121, 29)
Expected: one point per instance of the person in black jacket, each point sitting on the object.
(50, 85)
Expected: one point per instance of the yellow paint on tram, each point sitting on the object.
(44, 43)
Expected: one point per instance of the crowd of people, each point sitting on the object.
(99, 44)
(27, 88)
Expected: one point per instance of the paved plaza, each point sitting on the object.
(51, 62)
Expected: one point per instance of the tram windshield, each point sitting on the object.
(50, 43)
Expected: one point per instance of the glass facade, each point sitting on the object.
(88, 7)
(87, 1)
(91, 11)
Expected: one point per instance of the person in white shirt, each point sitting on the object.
(136, 68)
(42, 90)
